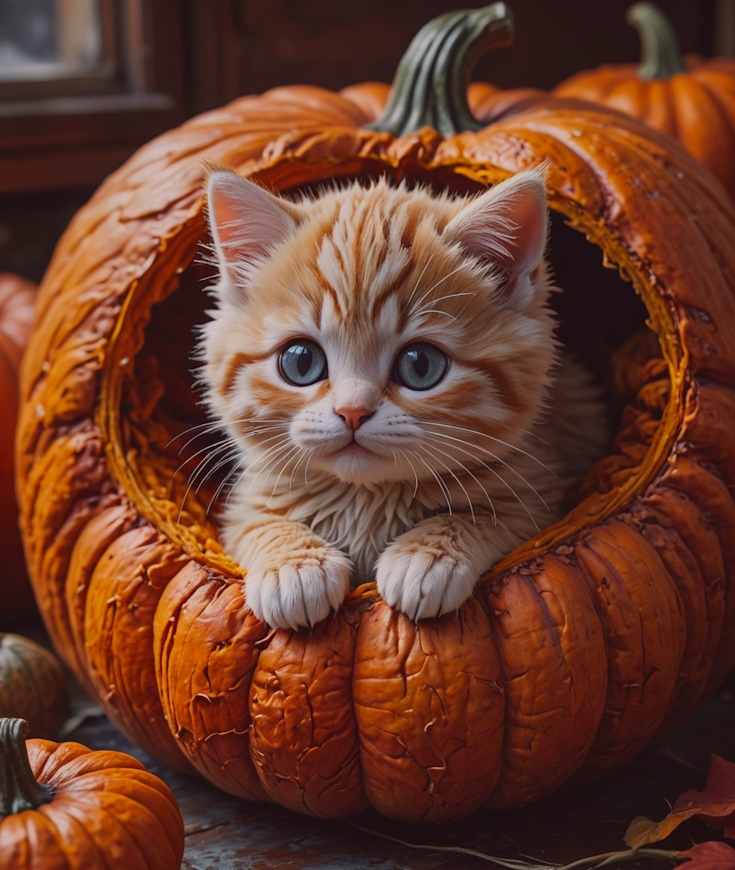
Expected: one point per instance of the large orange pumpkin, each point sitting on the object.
(581, 647)
(690, 98)
(17, 300)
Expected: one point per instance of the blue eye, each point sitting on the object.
(303, 362)
(420, 366)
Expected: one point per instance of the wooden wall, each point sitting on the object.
(201, 53)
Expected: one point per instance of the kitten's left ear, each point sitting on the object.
(246, 223)
(507, 228)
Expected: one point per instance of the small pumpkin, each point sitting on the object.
(690, 98)
(64, 805)
(33, 685)
(586, 643)
(17, 300)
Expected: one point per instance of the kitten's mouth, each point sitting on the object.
(353, 449)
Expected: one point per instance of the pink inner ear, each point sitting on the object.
(509, 222)
(506, 226)
(527, 210)
(246, 223)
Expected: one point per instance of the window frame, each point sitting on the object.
(45, 80)
(75, 136)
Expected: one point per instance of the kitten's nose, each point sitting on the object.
(354, 417)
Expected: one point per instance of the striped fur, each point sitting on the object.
(437, 484)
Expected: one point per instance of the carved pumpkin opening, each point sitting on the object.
(164, 441)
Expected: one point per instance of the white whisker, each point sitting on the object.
(272, 455)
(294, 450)
(461, 486)
(415, 475)
(492, 438)
(199, 472)
(440, 281)
(211, 426)
(304, 455)
(234, 485)
(436, 311)
(437, 477)
(201, 430)
(223, 483)
(467, 471)
(211, 449)
(508, 486)
(497, 459)
(418, 281)
(306, 471)
(232, 453)
(424, 310)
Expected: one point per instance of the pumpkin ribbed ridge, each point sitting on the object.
(79, 808)
(578, 649)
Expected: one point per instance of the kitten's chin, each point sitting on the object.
(356, 465)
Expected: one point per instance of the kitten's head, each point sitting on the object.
(377, 333)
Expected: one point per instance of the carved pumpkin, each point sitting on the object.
(17, 299)
(33, 685)
(64, 805)
(690, 98)
(575, 651)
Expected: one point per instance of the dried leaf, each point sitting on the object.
(709, 856)
(715, 805)
(642, 831)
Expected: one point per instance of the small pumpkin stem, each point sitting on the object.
(19, 789)
(430, 85)
(660, 55)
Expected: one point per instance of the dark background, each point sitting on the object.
(193, 55)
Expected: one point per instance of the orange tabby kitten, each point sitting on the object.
(383, 361)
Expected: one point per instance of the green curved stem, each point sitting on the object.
(430, 85)
(19, 789)
(660, 55)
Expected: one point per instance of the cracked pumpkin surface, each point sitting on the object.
(592, 639)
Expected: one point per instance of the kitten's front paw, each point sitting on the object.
(298, 594)
(424, 578)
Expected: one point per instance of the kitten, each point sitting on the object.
(381, 359)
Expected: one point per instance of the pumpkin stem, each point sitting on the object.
(430, 85)
(660, 55)
(19, 789)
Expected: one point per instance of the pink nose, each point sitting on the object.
(354, 417)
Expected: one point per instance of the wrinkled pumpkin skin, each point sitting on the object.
(583, 645)
(17, 299)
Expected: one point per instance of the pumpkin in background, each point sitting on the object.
(64, 805)
(582, 646)
(33, 685)
(690, 98)
(17, 299)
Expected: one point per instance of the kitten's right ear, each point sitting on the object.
(506, 228)
(246, 223)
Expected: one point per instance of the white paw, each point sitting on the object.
(298, 594)
(424, 582)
